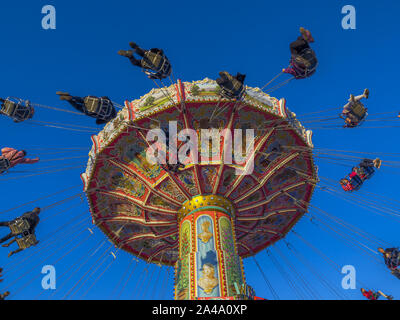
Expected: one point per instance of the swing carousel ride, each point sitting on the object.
(203, 218)
(202, 215)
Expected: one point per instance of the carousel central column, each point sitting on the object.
(209, 266)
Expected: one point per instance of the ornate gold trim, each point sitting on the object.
(217, 202)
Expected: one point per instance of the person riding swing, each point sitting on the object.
(22, 230)
(232, 87)
(153, 62)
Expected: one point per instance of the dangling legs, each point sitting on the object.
(367, 163)
(10, 243)
(129, 55)
(4, 224)
(354, 99)
(7, 237)
(137, 49)
(76, 102)
(14, 252)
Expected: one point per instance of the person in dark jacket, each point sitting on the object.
(100, 108)
(392, 260)
(30, 221)
(232, 86)
(303, 60)
(153, 61)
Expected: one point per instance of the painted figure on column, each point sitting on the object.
(207, 259)
(208, 281)
(206, 235)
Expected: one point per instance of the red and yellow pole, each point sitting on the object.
(209, 266)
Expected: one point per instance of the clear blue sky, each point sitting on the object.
(200, 38)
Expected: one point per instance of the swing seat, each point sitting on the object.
(19, 226)
(359, 111)
(355, 183)
(26, 241)
(368, 172)
(234, 90)
(305, 64)
(4, 165)
(156, 65)
(17, 109)
(101, 108)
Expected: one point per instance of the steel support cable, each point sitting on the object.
(36, 250)
(116, 104)
(61, 127)
(355, 230)
(42, 198)
(167, 95)
(308, 288)
(65, 158)
(358, 152)
(337, 222)
(147, 287)
(16, 265)
(269, 82)
(73, 267)
(362, 203)
(38, 264)
(130, 275)
(321, 111)
(67, 151)
(42, 173)
(286, 276)
(122, 278)
(32, 170)
(273, 292)
(164, 288)
(143, 272)
(354, 198)
(57, 148)
(377, 262)
(65, 124)
(92, 273)
(324, 257)
(351, 240)
(156, 282)
(73, 288)
(278, 86)
(352, 228)
(57, 213)
(380, 197)
(225, 107)
(163, 281)
(319, 276)
(98, 278)
(326, 213)
(57, 109)
(300, 287)
(66, 254)
(352, 158)
(390, 204)
(58, 260)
